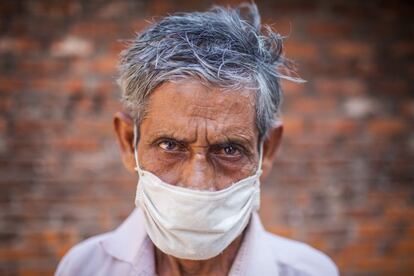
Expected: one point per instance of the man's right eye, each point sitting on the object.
(168, 145)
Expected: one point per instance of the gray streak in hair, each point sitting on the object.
(220, 47)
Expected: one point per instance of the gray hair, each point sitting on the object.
(219, 47)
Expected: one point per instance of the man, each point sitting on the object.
(201, 94)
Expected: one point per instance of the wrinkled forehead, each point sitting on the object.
(188, 105)
(191, 97)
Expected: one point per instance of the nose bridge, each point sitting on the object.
(198, 173)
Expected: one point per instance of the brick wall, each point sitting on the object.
(344, 178)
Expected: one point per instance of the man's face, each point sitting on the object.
(199, 137)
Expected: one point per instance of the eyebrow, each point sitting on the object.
(167, 135)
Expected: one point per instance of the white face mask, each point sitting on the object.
(193, 224)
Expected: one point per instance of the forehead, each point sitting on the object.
(186, 104)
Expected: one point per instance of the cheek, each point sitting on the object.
(152, 161)
(165, 167)
(243, 167)
(226, 179)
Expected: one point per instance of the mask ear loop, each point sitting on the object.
(259, 168)
(137, 167)
(256, 202)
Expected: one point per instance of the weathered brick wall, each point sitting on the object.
(344, 178)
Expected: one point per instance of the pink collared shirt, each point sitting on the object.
(128, 251)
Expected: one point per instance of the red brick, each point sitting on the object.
(10, 85)
(77, 144)
(404, 248)
(117, 46)
(402, 49)
(292, 88)
(295, 7)
(358, 250)
(36, 271)
(54, 10)
(319, 244)
(388, 127)
(3, 125)
(45, 84)
(329, 29)
(80, 67)
(92, 127)
(18, 45)
(41, 67)
(160, 8)
(293, 126)
(350, 50)
(105, 65)
(298, 50)
(113, 10)
(338, 127)
(28, 125)
(12, 254)
(394, 87)
(74, 86)
(339, 86)
(376, 263)
(407, 108)
(139, 25)
(281, 231)
(90, 30)
(313, 105)
(399, 213)
(375, 229)
(6, 104)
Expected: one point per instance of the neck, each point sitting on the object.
(219, 265)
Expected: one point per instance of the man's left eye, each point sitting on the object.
(230, 150)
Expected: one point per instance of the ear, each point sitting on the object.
(270, 147)
(124, 129)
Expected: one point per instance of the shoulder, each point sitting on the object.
(84, 258)
(112, 253)
(298, 258)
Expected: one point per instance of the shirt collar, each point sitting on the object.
(130, 243)
(125, 242)
(255, 256)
